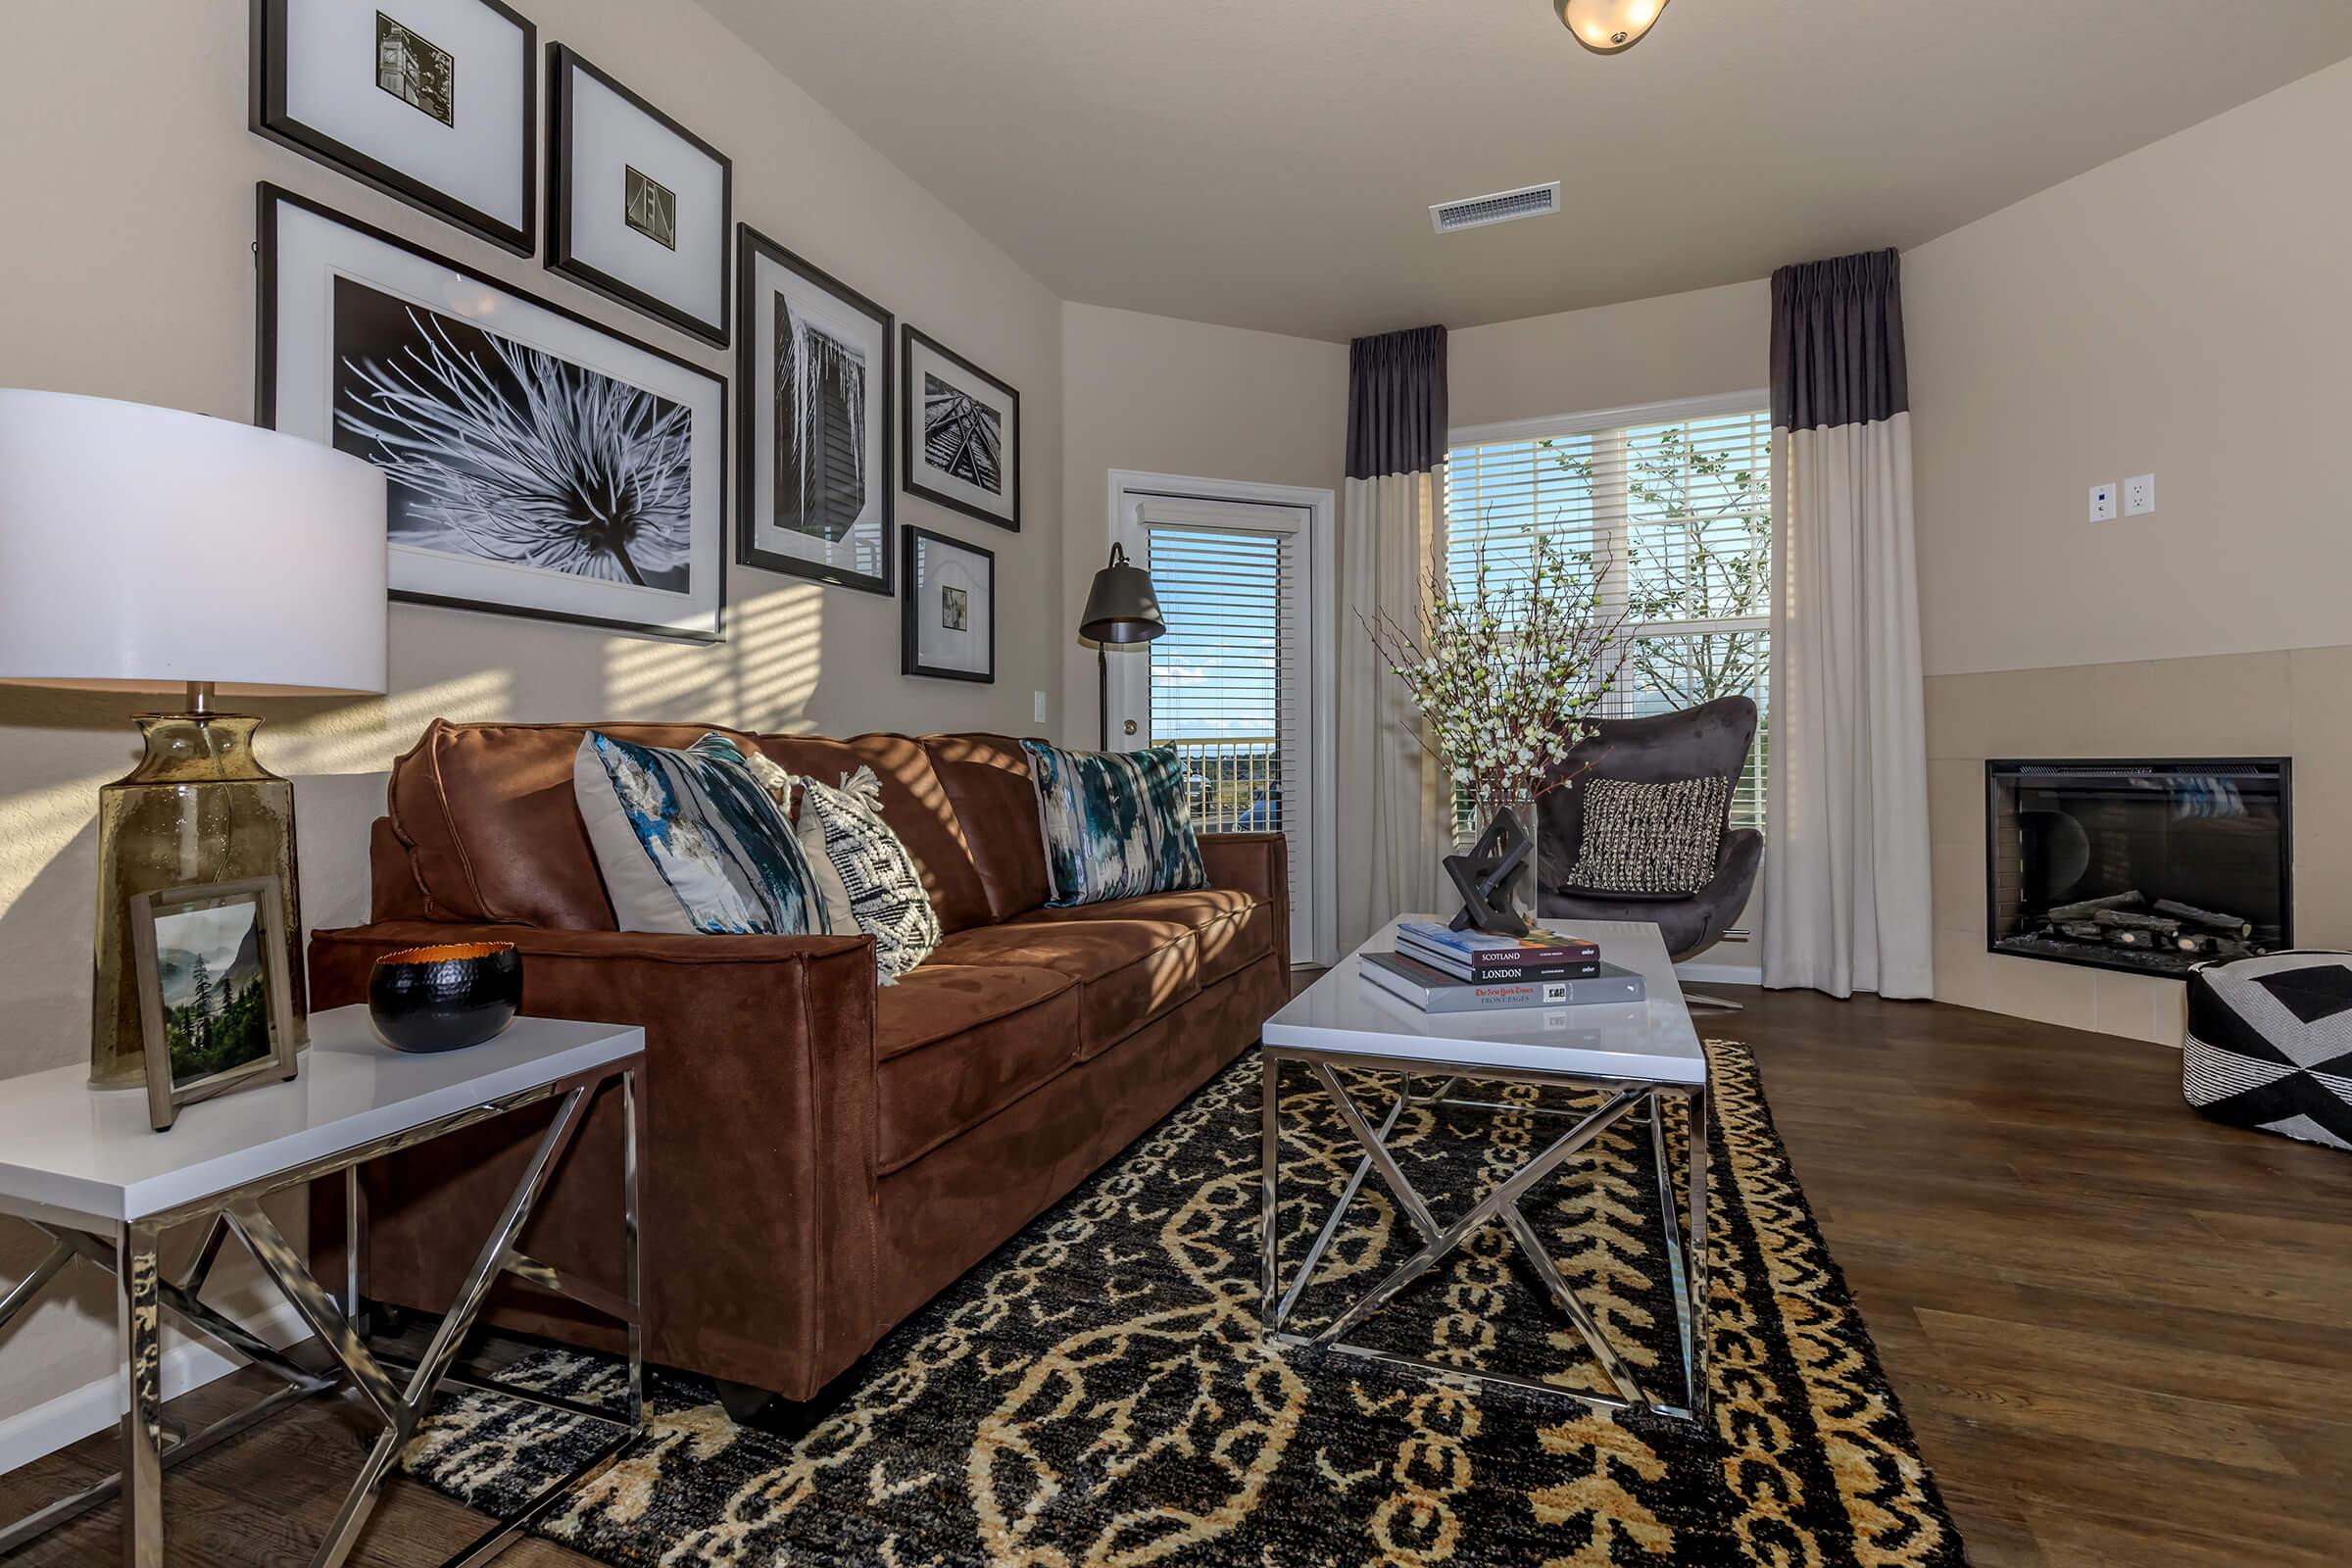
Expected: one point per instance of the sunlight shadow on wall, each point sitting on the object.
(759, 679)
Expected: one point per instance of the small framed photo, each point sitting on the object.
(948, 615)
(215, 1008)
(813, 497)
(638, 206)
(435, 102)
(961, 431)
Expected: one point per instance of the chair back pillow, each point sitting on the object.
(1116, 824)
(689, 841)
(861, 861)
(1655, 840)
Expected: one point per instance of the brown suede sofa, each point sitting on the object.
(821, 1155)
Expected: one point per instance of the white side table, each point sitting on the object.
(85, 1168)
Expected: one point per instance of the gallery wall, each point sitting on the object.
(127, 125)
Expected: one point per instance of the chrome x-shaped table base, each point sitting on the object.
(1686, 1244)
(399, 1403)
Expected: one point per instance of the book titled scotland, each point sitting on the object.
(1434, 991)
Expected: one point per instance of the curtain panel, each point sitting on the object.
(1392, 818)
(1846, 901)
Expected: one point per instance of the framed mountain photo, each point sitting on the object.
(814, 495)
(961, 431)
(638, 206)
(434, 101)
(540, 464)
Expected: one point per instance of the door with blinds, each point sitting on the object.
(1234, 684)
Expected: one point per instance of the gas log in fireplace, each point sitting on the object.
(2151, 866)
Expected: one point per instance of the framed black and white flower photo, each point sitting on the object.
(948, 613)
(638, 206)
(814, 495)
(962, 429)
(540, 464)
(434, 101)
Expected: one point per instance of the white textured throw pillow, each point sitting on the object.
(850, 847)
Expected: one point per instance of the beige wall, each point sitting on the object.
(125, 127)
(1156, 395)
(2181, 310)
(1689, 345)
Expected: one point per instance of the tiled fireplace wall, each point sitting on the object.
(2296, 702)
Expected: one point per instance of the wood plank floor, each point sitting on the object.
(2124, 1334)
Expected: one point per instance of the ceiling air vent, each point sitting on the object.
(1535, 201)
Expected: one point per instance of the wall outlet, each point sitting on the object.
(2139, 495)
(2102, 502)
(1037, 707)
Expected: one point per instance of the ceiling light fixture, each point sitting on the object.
(1608, 27)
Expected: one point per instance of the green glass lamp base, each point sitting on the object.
(198, 808)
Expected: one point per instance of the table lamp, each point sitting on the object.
(1122, 608)
(144, 549)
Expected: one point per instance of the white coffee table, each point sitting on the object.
(1639, 1054)
(85, 1170)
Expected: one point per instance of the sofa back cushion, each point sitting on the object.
(488, 818)
(987, 780)
(916, 805)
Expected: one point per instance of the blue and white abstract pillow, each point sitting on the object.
(1116, 823)
(689, 841)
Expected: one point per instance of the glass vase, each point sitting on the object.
(198, 808)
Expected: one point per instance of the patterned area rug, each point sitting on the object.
(1097, 1392)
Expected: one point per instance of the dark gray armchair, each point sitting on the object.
(1711, 740)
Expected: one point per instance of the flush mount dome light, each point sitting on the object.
(1608, 27)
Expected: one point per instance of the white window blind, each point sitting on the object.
(1679, 515)
(1219, 673)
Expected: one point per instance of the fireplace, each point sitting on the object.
(2151, 866)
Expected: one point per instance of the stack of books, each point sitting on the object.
(1438, 969)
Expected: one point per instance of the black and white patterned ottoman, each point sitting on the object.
(2269, 1045)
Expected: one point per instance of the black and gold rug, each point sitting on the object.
(1097, 1392)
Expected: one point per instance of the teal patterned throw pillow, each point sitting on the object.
(1116, 823)
(689, 841)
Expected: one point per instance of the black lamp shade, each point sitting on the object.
(1121, 607)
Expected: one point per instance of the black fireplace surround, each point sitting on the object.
(2151, 866)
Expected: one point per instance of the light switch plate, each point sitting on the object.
(2102, 502)
(2139, 495)
(1037, 707)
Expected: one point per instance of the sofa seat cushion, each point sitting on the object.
(957, 1043)
(1231, 929)
(1128, 972)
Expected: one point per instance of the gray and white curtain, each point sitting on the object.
(1390, 794)
(1845, 893)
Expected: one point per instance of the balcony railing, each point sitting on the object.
(1234, 783)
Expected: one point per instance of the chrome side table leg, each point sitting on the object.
(141, 1276)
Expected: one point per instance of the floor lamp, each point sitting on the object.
(1122, 610)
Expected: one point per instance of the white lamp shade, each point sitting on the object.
(144, 548)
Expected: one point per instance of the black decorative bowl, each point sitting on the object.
(445, 997)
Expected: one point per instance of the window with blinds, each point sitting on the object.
(1676, 518)
(1219, 673)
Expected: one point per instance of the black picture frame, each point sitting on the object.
(561, 60)
(270, 198)
(911, 605)
(267, 117)
(750, 247)
(910, 338)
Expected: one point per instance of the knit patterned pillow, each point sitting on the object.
(1650, 838)
(863, 864)
(1116, 823)
(688, 841)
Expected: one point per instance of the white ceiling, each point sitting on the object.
(1269, 162)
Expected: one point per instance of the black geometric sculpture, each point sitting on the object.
(1485, 877)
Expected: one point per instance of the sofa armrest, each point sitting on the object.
(756, 1135)
(1259, 865)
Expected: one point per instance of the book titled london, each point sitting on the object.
(1433, 991)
